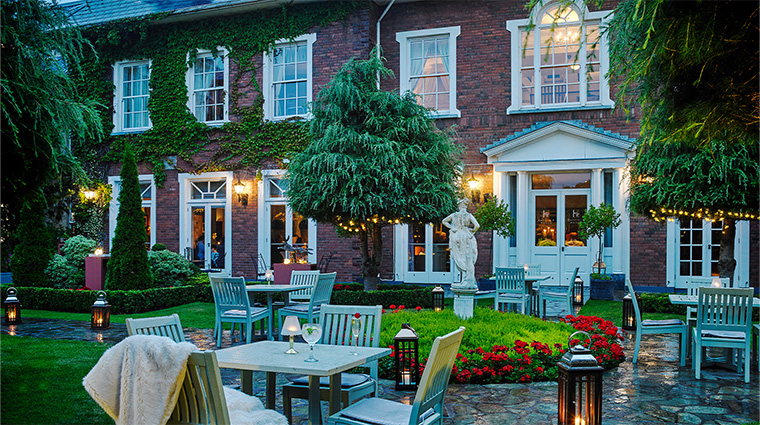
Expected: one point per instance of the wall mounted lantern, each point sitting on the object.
(474, 185)
(239, 187)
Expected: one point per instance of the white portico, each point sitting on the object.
(549, 174)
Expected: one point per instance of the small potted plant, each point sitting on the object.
(494, 216)
(594, 223)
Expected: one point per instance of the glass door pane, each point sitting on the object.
(716, 232)
(300, 239)
(441, 253)
(575, 207)
(546, 220)
(217, 257)
(146, 214)
(416, 247)
(277, 234)
(690, 249)
(199, 236)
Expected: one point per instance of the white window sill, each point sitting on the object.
(130, 131)
(456, 113)
(306, 117)
(215, 123)
(511, 111)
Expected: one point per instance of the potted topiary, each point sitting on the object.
(493, 216)
(594, 223)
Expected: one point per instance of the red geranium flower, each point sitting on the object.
(357, 315)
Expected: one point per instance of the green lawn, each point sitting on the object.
(613, 311)
(42, 381)
(194, 315)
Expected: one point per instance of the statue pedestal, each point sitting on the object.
(464, 302)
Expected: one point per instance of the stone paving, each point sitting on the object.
(655, 390)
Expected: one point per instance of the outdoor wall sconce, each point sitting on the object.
(12, 308)
(291, 328)
(438, 293)
(578, 291)
(98, 251)
(580, 386)
(101, 313)
(406, 348)
(474, 189)
(629, 315)
(89, 194)
(239, 187)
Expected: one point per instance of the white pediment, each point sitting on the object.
(570, 143)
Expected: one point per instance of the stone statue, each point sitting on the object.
(462, 244)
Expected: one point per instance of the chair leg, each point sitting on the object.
(747, 357)
(248, 332)
(219, 335)
(279, 328)
(683, 343)
(636, 347)
(696, 354)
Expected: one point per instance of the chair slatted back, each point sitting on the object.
(336, 327)
(635, 304)
(725, 309)
(694, 283)
(510, 280)
(534, 269)
(435, 378)
(323, 290)
(303, 278)
(230, 294)
(201, 397)
(572, 283)
(168, 326)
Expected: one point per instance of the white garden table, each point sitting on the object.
(270, 357)
(270, 290)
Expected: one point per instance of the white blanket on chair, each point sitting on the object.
(137, 381)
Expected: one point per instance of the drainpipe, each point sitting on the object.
(387, 8)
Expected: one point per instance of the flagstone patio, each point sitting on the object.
(656, 390)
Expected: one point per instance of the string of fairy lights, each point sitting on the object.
(706, 214)
(353, 225)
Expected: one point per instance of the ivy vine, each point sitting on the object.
(246, 142)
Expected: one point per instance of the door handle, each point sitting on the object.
(562, 249)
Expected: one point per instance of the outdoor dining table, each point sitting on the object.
(531, 294)
(693, 300)
(270, 357)
(270, 290)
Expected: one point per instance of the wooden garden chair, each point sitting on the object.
(565, 297)
(168, 326)
(649, 327)
(510, 288)
(306, 278)
(310, 311)
(233, 306)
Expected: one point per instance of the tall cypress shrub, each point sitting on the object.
(35, 248)
(128, 267)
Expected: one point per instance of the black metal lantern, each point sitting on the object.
(101, 313)
(12, 308)
(406, 347)
(438, 298)
(629, 316)
(580, 386)
(578, 291)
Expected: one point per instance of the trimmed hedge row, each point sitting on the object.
(122, 302)
(198, 290)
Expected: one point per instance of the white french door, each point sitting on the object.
(429, 259)
(557, 246)
(698, 249)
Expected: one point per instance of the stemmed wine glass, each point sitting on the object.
(356, 324)
(311, 333)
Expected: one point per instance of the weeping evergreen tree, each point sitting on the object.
(376, 159)
(128, 267)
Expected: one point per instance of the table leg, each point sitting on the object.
(246, 381)
(315, 411)
(335, 393)
(270, 323)
(271, 385)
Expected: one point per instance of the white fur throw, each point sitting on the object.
(245, 409)
(137, 381)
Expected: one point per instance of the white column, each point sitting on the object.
(597, 182)
(523, 225)
(620, 235)
(500, 244)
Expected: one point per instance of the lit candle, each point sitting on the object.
(406, 377)
(579, 421)
(525, 267)
(716, 283)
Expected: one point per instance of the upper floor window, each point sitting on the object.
(428, 68)
(561, 63)
(131, 98)
(288, 78)
(208, 77)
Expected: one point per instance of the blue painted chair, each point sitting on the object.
(510, 288)
(650, 327)
(310, 311)
(427, 407)
(724, 319)
(233, 306)
(565, 297)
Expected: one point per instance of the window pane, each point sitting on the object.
(561, 181)
(546, 220)
(575, 207)
(290, 71)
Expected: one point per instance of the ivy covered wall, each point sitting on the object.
(244, 142)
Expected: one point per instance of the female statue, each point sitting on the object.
(462, 244)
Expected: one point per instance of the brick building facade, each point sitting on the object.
(546, 139)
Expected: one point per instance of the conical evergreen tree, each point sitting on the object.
(128, 267)
(32, 255)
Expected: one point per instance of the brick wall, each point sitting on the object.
(648, 254)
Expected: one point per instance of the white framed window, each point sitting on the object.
(208, 82)
(147, 193)
(428, 68)
(560, 68)
(131, 96)
(288, 78)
